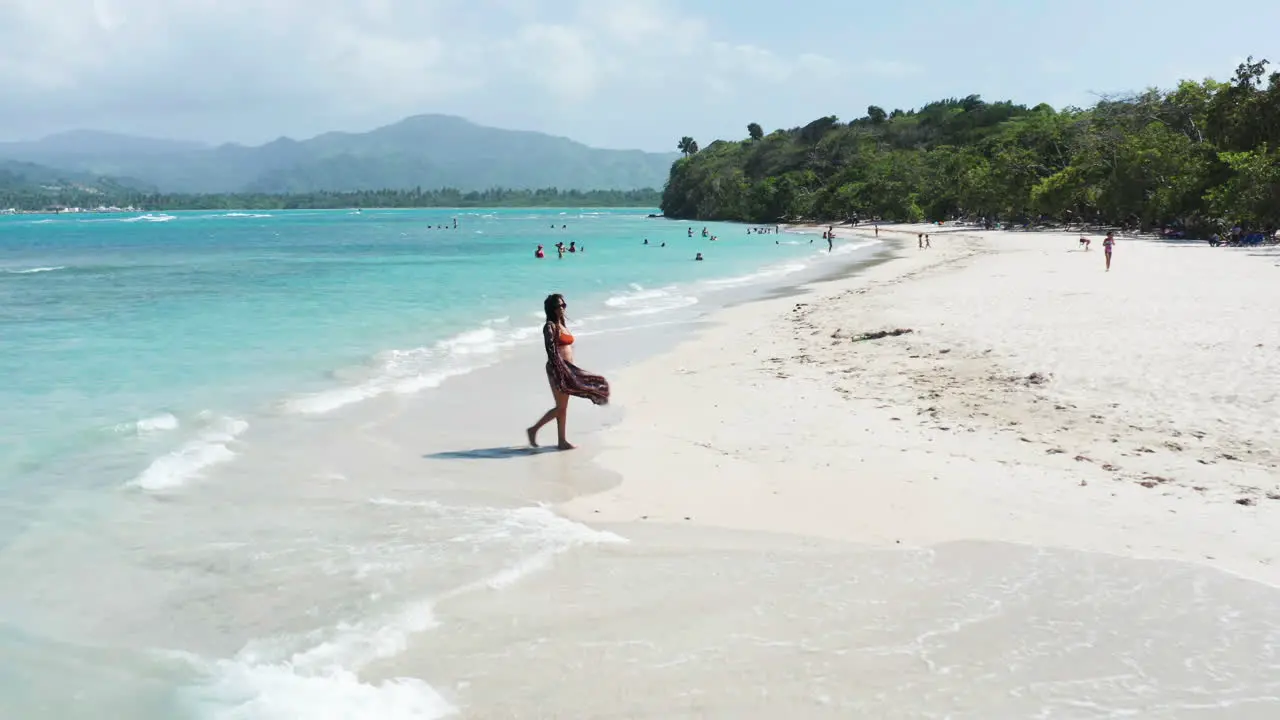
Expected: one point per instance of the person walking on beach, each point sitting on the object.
(566, 379)
(830, 240)
(1107, 244)
(927, 244)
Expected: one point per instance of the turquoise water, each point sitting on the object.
(120, 330)
(180, 436)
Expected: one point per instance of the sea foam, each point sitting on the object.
(644, 301)
(272, 678)
(150, 425)
(210, 448)
(417, 369)
(149, 218)
(32, 271)
(240, 691)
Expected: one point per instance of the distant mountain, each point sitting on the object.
(93, 142)
(18, 175)
(428, 151)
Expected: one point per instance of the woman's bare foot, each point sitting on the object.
(533, 437)
(566, 445)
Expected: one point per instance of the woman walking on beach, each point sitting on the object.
(566, 379)
(1107, 244)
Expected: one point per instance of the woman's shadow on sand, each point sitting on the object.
(497, 453)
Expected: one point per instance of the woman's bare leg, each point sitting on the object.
(1108, 261)
(562, 419)
(547, 417)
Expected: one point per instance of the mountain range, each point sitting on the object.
(18, 175)
(429, 151)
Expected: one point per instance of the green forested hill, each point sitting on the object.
(1200, 154)
(29, 186)
(35, 197)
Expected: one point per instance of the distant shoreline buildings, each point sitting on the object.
(61, 210)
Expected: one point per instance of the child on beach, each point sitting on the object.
(1107, 245)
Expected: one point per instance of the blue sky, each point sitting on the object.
(611, 73)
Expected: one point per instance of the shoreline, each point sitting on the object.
(943, 434)
(750, 530)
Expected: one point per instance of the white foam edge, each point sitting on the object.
(176, 468)
(323, 683)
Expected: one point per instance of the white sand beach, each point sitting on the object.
(1057, 496)
(1022, 508)
(1038, 399)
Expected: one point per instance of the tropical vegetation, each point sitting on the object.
(1201, 155)
(54, 197)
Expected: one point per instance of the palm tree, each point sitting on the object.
(687, 146)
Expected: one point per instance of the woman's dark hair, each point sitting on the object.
(553, 306)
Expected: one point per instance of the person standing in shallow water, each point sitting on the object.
(566, 379)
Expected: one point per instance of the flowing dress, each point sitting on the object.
(569, 378)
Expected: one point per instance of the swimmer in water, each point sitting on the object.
(538, 253)
(698, 257)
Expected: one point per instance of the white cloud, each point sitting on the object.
(565, 62)
(253, 69)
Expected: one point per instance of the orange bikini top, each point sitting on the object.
(566, 338)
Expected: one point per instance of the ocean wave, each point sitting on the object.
(765, 274)
(32, 271)
(148, 218)
(531, 525)
(316, 675)
(45, 221)
(240, 691)
(642, 301)
(244, 215)
(417, 369)
(210, 448)
(150, 425)
(846, 248)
